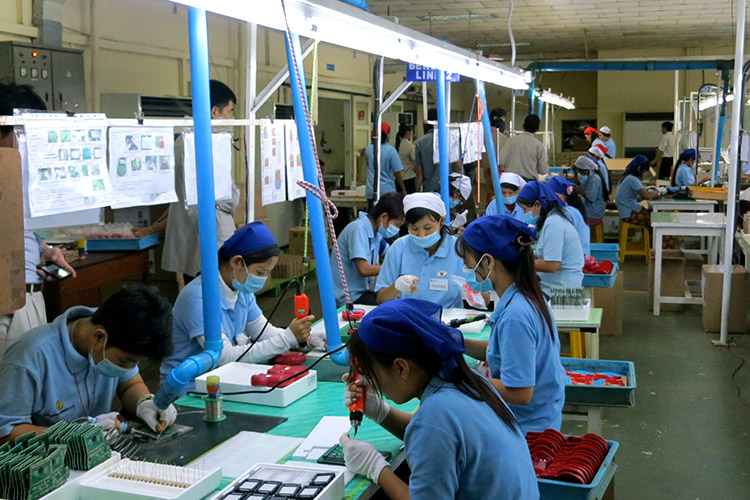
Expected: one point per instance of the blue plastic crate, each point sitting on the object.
(559, 170)
(561, 490)
(593, 395)
(121, 244)
(606, 251)
(600, 280)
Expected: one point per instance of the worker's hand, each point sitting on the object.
(362, 458)
(154, 417)
(106, 421)
(55, 255)
(407, 284)
(318, 340)
(140, 232)
(301, 327)
(375, 408)
(241, 339)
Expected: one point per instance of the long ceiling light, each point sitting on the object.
(713, 101)
(338, 23)
(557, 100)
(456, 17)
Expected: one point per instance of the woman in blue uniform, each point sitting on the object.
(573, 207)
(361, 243)
(630, 191)
(463, 442)
(683, 175)
(592, 182)
(463, 208)
(559, 252)
(422, 264)
(245, 262)
(523, 352)
(510, 184)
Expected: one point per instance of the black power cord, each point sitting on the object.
(268, 320)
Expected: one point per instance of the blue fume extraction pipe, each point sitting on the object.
(362, 4)
(443, 144)
(720, 125)
(314, 205)
(489, 143)
(208, 359)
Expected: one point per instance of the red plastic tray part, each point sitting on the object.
(355, 315)
(572, 459)
(278, 373)
(289, 358)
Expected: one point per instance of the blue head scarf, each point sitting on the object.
(561, 185)
(249, 239)
(688, 154)
(496, 235)
(406, 327)
(635, 165)
(541, 192)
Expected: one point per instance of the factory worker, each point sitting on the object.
(598, 153)
(510, 184)
(605, 138)
(390, 167)
(463, 442)
(592, 182)
(559, 252)
(74, 367)
(422, 264)
(683, 175)
(630, 191)
(463, 209)
(572, 196)
(245, 263)
(361, 244)
(591, 135)
(523, 352)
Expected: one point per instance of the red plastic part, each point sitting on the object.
(355, 315)
(289, 358)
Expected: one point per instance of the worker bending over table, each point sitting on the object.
(245, 263)
(591, 179)
(683, 175)
(630, 191)
(361, 243)
(559, 252)
(422, 265)
(523, 352)
(572, 196)
(72, 368)
(598, 153)
(463, 208)
(510, 185)
(463, 442)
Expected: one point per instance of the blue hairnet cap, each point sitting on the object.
(539, 191)
(495, 235)
(635, 164)
(561, 185)
(406, 327)
(688, 154)
(249, 239)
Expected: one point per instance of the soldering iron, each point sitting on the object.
(356, 408)
(455, 323)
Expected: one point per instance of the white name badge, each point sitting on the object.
(438, 285)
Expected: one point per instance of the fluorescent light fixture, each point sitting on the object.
(490, 45)
(557, 100)
(713, 101)
(456, 17)
(338, 23)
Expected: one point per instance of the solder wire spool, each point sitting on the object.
(214, 412)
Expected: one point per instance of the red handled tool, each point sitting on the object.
(301, 302)
(357, 408)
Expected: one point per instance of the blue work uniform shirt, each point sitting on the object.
(458, 448)
(46, 374)
(522, 352)
(684, 176)
(594, 204)
(187, 323)
(390, 163)
(627, 196)
(559, 242)
(424, 152)
(609, 144)
(357, 241)
(583, 230)
(517, 212)
(435, 272)
(605, 173)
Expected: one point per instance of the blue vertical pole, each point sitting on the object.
(720, 125)
(314, 206)
(443, 144)
(489, 143)
(204, 164)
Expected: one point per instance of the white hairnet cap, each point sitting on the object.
(430, 201)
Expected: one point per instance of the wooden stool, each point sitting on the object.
(597, 233)
(629, 248)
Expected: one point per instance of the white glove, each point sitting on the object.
(362, 458)
(318, 340)
(241, 339)
(106, 421)
(375, 408)
(152, 415)
(406, 283)
(460, 219)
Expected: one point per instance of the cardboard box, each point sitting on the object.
(672, 278)
(297, 242)
(610, 300)
(12, 261)
(287, 267)
(712, 280)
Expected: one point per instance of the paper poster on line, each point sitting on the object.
(272, 158)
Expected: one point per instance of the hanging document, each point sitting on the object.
(472, 142)
(273, 169)
(454, 145)
(67, 163)
(222, 154)
(293, 162)
(141, 165)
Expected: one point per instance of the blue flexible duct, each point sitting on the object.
(490, 145)
(362, 4)
(443, 144)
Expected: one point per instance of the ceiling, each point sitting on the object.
(557, 29)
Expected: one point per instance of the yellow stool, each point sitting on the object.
(633, 248)
(597, 233)
(578, 347)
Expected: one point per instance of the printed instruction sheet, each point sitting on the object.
(222, 155)
(454, 145)
(272, 158)
(293, 161)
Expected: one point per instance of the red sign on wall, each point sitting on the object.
(361, 115)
